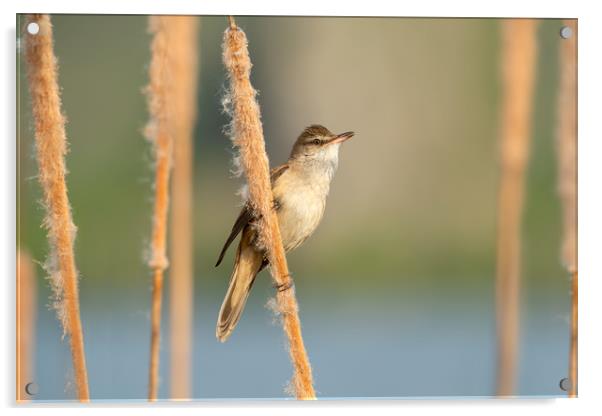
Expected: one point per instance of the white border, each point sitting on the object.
(590, 206)
(428, 8)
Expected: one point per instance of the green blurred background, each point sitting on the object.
(396, 288)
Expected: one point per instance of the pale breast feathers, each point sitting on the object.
(301, 204)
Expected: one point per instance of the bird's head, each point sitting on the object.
(316, 144)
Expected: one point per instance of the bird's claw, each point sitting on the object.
(284, 286)
(276, 204)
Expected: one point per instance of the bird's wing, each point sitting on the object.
(243, 219)
(246, 215)
(277, 172)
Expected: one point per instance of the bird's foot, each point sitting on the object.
(286, 285)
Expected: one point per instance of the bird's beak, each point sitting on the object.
(340, 138)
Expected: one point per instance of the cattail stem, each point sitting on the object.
(159, 133)
(231, 22)
(183, 87)
(248, 138)
(51, 147)
(26, 322)
(567, 178)
(156, 301)
(518, 60)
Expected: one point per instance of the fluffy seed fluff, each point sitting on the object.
(51, 148)
(246, 134)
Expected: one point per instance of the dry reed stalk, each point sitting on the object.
(26, 322)
(247, 136)
(182, 99)
(518, 59)
(51, 147)
(567, 178)
(159, 133)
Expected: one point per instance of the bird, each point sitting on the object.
(300, 188)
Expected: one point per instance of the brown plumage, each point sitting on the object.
(300, 188)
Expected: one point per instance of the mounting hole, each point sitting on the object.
(566, 32)
(565, 384)
(31, 389)
(33, 28)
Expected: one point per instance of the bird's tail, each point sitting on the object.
(247, 264)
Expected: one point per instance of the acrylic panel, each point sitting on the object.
(444, 265)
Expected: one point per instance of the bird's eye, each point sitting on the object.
(317, 141)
